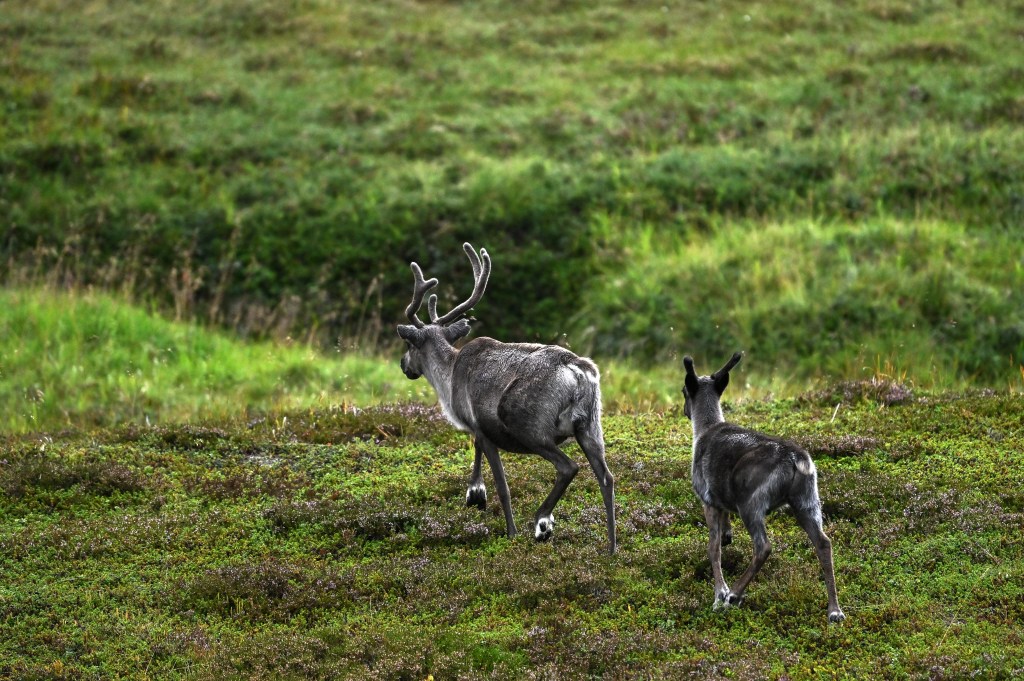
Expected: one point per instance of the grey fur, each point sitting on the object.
(520, 397)
(737, 470)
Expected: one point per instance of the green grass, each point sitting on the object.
(325, 543)
(273, 168)
(74, 360)
(929, 301)
(304, 524)
(82, 359)
(833, 188)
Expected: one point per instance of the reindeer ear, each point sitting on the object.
(410, 333)
(692, 385)
(721, 377)
(457, 330)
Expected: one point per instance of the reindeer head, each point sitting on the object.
(705, 390)
(428, 341)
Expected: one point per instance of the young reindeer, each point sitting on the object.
(520, 397)
(742, 471)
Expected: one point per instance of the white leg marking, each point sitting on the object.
(476, 495)
(722, 600)
(545, 528)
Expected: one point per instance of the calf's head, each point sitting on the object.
(705, 392)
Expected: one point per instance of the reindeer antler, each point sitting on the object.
(432, 308)
(419, 288)
(481, 272)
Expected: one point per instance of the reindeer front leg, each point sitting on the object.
(476, 494)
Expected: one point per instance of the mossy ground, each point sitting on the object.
(336, 544)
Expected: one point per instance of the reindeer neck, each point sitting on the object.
(438, 372)
(705, 414)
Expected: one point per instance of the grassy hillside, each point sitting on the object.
(272, 167)
(930, 301)
(325, 544)
(88, 359)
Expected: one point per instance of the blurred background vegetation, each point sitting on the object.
(216, 208)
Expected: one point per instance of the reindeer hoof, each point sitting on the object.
(727, 538)
(836, 616)
(735, 599)
(544, 528)
(476, 495)
(724, 600)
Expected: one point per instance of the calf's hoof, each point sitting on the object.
(476, 495)
(544, 528)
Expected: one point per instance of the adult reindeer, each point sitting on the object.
(520, 397)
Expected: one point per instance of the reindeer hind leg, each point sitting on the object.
(810, 521)
(591, 441)
(565, 471)
(754, 518)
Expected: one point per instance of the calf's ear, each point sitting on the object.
(691, 383)
(721, 377)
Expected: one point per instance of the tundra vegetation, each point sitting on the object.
(212, 467)
(326, 543)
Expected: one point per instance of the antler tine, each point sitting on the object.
(474, 259)
(419, 288)
(481, 273)
(432, 308)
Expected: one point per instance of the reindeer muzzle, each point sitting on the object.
(409, 373)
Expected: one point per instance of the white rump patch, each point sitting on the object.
(578, 408)
(805, 465)
(593, 378)
(569, 375)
